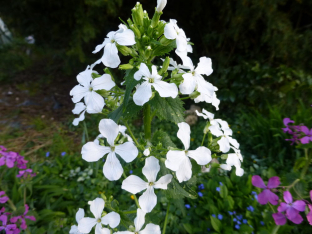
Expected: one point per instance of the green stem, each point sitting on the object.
(203, 140)
(131, 134)
(129, 212)
(306, 167)
(166, 220)
(24, 196)
(147, 121)
(85, 129)
(274, 231)
(185, 98)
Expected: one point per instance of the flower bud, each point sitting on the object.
(161, 5)
(155, 19)
(137, 14)
(206, 129)
(124, 50)
(177, 77)
(136, 31)
(125, 66)
(145, 38)
(194, 95)
(147, 152)
(164, 41)
(148, 52)
(161, 27)
(164, 66)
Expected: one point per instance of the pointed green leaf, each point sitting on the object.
(216, 224)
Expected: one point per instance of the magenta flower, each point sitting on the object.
(26, 173)
(3, 199)
(9, 228)
(286, 121)
(22, 218)
(266, 195)
(8, 158)
(306, 139)
(279, 218)
(309, 215)
(292, 208)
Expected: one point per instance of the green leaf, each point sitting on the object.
(168, 108)
(132, 110)
(188, 227)
(223, 191)
(130, 83)
(116, 114)
(300, 162)
(160, 50)
(229, 203)
(216, 224)
(176, 191)
(163, 138)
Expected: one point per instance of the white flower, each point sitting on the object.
(92, 151)
(194, 79)
(97, 206)
(138, 224)
(79, 215)
(206, 97)
(80, 108)
(161, 5)
(87, 87)
(214, 123)
(146, 152)
(122, 130)
(176, 66)
(123, 36)
(135, 184)
(179, 161)
(172, 31)
(144, 90)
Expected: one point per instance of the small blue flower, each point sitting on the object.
(130, 171)
(213, 215)
(188, 206)
(220, 216)
(220, 183)
(201, 186)
(255, 194)
(47, 154)
(234, 212)
(262, 223)
(250, 208)
(63, 154)
(200, 194)
(230, 212)
(237, 226)
(238, 222)
(234, 220)
(245, 221)
(218, 189)
(240, 217)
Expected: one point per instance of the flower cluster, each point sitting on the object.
(145, 39)
(300, 133)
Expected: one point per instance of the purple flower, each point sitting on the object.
(22, 218)
(130, 171)
(3, 199)
(292, 208)
(26, 173)
(9, 228)
(237, 226)
(306, 139)
(250, 208)
(286, 121)
(262, 223)
(188, 206)
(213, 215)
(266, 195)
(309, 215)
(47, 154)
(201, 186)
(279, 218)
(200, 194)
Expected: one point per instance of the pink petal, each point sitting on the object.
(267, 196)
(31, 218)
(274, 182)
(297, 219)
(291, 213)
(283, 206)
(273, 198)
(299, 205)
(288, 197)
(279, 218)
(286, 121)
(258, 182)
(309, 217)
(4, 199)
(305, 130)
(26, 209)
(305, 140)
(311, 195)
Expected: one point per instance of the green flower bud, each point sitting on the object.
(164, 41)
(136, 31)
(124, 50)
(194, 95)
(177, 77)
(155, 19)
(125, 66)
(146, 23)
(137, 15)
(148, 52)
(224, 156)
(150, 30)
(146, 39)
(164, 66)
(161, 28)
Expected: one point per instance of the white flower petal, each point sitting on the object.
(103, 82)
(112, 219)
(78, 92)
(80, 118)
(112, 168)
(233, 160)
(74, 230)
(163, 182)
(187, 61)
(208, 114)
(124, 232)
(98, 229)
(225, 167)
(142, 72)
(139, 220)
(109, 129)
(174, 158)
(224, 124)
(92, 152)
(227, 131)
(184, 134)
(170, 32)
(101, 46)
(97, 207)
(215, 101)
(80, 214)
(204, 66)
(151, 168)
(161, 5)
(79, 107)
(224, 144)
(148, 200)
(128, 151)
(134, 184)
(188, 85)
(142, 94)
(181, 43)
(234, 142)
(166, 89)
(202, 155)
(95, 102)
(184, 173)
(84, 78)
(126, 38)
(239, 171)
(215, 130)
(104, 231)
(146, 152)
(151, 229)
(86, 224)
(111, 57)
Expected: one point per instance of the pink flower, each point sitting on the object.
(286, 121)
(309, 215)
(292, 208)
(266, 195)
(26, 173)
(279, 218)
(3, 199)
(306, 139)
(9, 228)
(22, 218)
(8, 158)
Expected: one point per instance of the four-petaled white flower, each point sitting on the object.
(176, 66)
(97, 206)
(234, 159)
(92, 151)
(135, 184)
(79, 215)
(161, 5)
(87, 87)
(144, 90)
(179, 161)
(214, 123)
(206, 97)
(124, 37)
(138, 224)
(80, 108)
